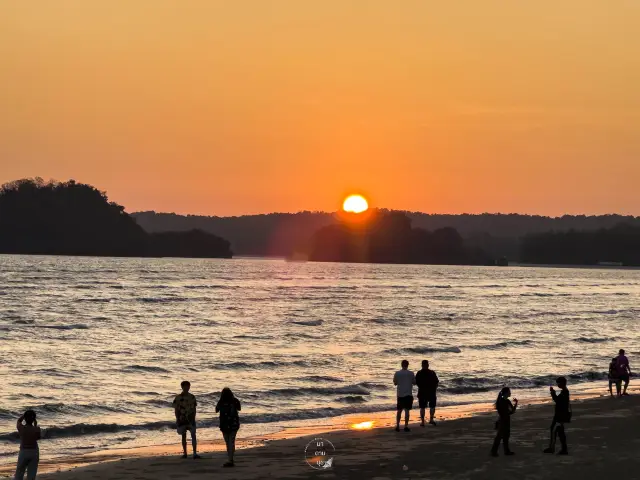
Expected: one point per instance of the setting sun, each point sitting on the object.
(355, 204)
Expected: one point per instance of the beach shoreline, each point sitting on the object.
(345, 430)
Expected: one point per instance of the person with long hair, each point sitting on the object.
(29, 455)
(229, 406)
(503, 426)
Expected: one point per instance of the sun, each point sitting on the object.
(355, 204)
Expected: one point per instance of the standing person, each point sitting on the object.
(229, 406)
(624, 370)
(503, 426)
(404, 380)
(29, 455)
(613, 376)
(185, 409)
(427, 382)
(561, 416)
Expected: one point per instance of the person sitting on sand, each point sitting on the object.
(404, 380)
(562, 415)
(503, 426)
(613, 376)
(229, 406)
(427, 382)
(29, 455)
(624, 370)
(185, 408)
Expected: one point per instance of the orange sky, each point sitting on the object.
(246, 106)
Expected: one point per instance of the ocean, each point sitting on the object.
(99, 346)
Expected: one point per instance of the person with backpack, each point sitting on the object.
(613, 377)
(228, 406)
(562, 415)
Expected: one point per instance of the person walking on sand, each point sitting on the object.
(229, 406)
(427, 382)
(613, 377)
(503, 426)
(624, 370)
(562, 415)
(29, 455)
(404, 380)
(185, 409)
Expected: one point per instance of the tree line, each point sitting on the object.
(70, 218)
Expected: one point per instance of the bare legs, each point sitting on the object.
(230, 441)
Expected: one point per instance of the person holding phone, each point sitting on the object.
(29, 455)
(562, 415)
(503, 426)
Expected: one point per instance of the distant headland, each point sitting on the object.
(69, 218)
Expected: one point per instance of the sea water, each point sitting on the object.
(99, 346)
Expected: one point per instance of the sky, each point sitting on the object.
(230, 107)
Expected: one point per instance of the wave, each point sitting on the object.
(496, 346)
(463, 385)
(422, 350)
(164, 299)
(352, 399)
(146, 368)
(326, 391)
(309, 323)
(74, 326)
(593, 339)
(269, 364)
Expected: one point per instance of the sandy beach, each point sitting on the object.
(603, 440)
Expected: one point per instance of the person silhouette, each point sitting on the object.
(29, 455)
(185, 409)
(229, 406)
(427, 382)
(624, 370)
(562, 414)
(613, 377)
(404, 380)
(503, 426)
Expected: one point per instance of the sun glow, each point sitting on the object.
(362, 426)
(355, 204)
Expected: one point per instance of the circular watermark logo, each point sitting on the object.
(319, 454)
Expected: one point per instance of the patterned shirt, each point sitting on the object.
(185, 405)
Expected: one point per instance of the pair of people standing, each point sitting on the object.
(427, 382)
(562, 415)
(228, 406)
(619, 371)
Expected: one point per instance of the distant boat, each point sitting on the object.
(502, 262)
(611, 264)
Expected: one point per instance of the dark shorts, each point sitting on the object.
(624, 378)
(405, 403)
(427, 400)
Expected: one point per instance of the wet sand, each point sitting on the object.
(604, 440)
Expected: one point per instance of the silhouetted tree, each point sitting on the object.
(69, 218)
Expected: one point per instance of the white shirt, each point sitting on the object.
(405, 380)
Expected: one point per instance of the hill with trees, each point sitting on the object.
(280, 234)
(617, 245)
(388, 237)
(69, 218)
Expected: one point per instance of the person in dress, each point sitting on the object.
(505, 409)
(229, 406)
(29, 455)
(404, 380)
(185, 409)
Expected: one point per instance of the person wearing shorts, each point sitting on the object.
(427, 382)
(185, 409)
(404, 380)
